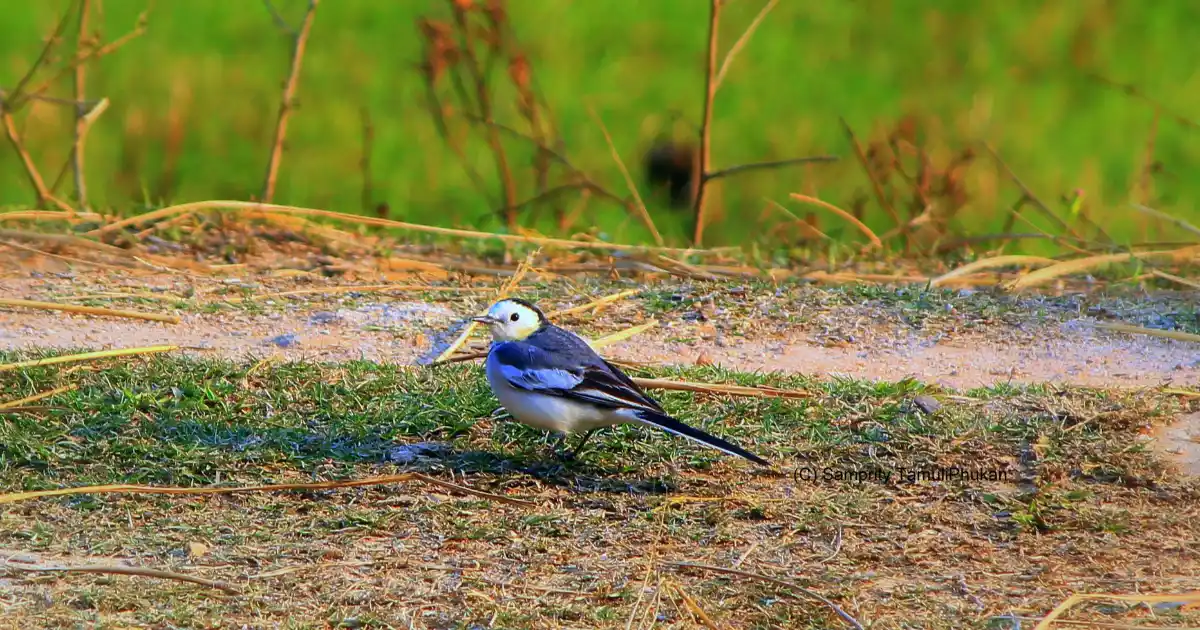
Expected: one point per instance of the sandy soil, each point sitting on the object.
(405, 332)
(379, 328)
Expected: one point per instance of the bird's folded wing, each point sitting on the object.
(532, 369)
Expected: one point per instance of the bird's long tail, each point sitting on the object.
(671, 425)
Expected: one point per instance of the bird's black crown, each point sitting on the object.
(529, 305)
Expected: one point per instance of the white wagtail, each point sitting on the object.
(551, 379)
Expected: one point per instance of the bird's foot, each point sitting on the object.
(558, 452)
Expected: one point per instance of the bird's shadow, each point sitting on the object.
(579, 475)
(584, 474)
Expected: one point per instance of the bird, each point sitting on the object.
(549, 378)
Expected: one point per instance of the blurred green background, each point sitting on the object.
(194, 103)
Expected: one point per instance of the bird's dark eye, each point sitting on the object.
(515, 317)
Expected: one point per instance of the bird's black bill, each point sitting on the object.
(483, 319)
(671, 425)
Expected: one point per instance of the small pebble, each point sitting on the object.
(927, 404)
(286, 340)
(324, 317)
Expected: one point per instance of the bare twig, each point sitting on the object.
(594, 304)
(695, 608)
(279, 21)
(1176, 279)
(1133, 91)
(117, 569)
(1177, 335)
(485, 111)
(435, 54)
(20, 402)
(77, 155)
(876, 186)
(639, 206)
(31, 171)
(705, 154)
(720, 389)
(206, 490)
(1029, 193)
(70, 259)
(364, 163)
(13, 100)
(89, 310)
(585, 185)
(810, 231)
(1180, 223)
(93, 53)
(1143, 598)
(582, 180)
(251, 206)
(16, 97)
(758, 166)
(93, 110)
(85, 356)
(778, 582)
(536, 142)
(369, 288)
(862, 227)
(287, 102)
(18, 409)
(741, 42)
(1145, 183)
(504, 291)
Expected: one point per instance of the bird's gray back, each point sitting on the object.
(564, 350)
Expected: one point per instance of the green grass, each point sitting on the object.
(1012, 73)
(1080, 485)
(182, 421)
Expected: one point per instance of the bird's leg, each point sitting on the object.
(579, 447)
(562, 437)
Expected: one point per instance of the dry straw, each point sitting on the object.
(504, 292)
(366, 288)
(198, 206)
(90, 310)
(850, 218)
(86, 356)
(323, 485)
(17, 564)
(1089, 263)
(1177, 335)
(992, 263)
(1070, 602)
(13, 404)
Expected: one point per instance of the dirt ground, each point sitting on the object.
(957, 340)
(397, 329)
(859, 340)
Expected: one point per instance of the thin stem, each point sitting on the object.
(710, 92)
(286, 105)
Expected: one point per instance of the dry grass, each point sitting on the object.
(890, 555)
(644, 527)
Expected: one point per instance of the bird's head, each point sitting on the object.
(512, 319)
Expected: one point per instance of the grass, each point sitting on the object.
(1084, 502)
(197, 122)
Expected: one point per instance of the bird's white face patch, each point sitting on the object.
(512, 321)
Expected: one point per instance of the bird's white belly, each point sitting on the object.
(551, 413)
